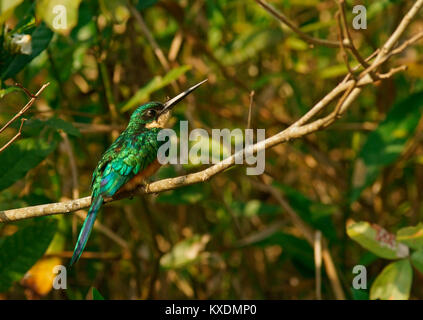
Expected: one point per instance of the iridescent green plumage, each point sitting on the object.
(129, 157)
(131, 153)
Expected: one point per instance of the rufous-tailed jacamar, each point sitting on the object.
(129, 160)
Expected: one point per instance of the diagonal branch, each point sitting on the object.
(281, 17)
(297, 130)
(25, 108)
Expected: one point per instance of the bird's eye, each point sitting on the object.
(151, 113)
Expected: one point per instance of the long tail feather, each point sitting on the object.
(86, 229)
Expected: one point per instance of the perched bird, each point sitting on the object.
(129, 160)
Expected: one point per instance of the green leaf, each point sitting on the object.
(158, 82)
(411, 236)
(60, 15)
(20, 251)
(6, 8)
(41, 37)
(384, 145)
(8, 90)
(144, 4)
(20, 157)
(60, 124)
(360, 294)
(185, 252)
(417, 260)
(96, 294)
(377, 240)
(394, 282)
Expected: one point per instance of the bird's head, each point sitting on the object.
(156, 114)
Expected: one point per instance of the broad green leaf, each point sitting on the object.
(394, 282)
(6, 8)
(96, 294)
(20, 157)
(21, 250)
(377, 240)
(384, 145)
(40, 38)
(411, 236)
(185, 252)
(417, 260)
(143, 94)
(60, 15)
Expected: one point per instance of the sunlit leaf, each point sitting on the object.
(6, 91)
(116, 10)
(411, 236)
(21, 250)
(185, 252)
(60, 15)
(42, 274)
(6, 8)
(377, 240)
(143, 94)
(394, 282)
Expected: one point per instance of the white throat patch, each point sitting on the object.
(160, 122)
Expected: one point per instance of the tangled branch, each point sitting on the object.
(20, 113)
(346, 92)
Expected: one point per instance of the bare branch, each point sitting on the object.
(297, 130)
(281, 17)
(15, 137)
(25, 108)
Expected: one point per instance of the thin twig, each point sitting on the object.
(296, 130)
(15, 137)
(348, 38)
(318, 263)
(157, 51)
(281, 17)
(26, 107)
(250, 108)
(309, 235)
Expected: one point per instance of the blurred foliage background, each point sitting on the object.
(226, 238)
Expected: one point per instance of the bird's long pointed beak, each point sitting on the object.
(172, 102)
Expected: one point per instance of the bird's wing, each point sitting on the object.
(123, 161)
